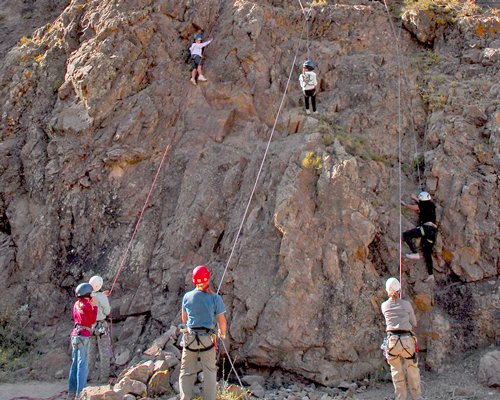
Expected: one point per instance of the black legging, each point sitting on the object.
(312, 94)
(427, 242)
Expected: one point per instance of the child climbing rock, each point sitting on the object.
(196, 56)
(308, 83)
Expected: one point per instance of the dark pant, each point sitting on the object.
(195, 61)
(428, 236)
(312, 94)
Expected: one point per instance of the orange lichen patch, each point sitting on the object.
(447, 256)
(423, 302)
(431, 335)
(480, 30)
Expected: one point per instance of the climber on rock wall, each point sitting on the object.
(308, 82)
(426, 229)
(100, 341)
(196, 57)
(401, 344)
(202, 311)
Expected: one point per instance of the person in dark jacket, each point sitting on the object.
(426, 230)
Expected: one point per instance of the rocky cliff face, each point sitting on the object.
(91, 100)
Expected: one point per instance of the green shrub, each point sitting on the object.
(15, 345)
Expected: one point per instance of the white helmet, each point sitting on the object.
(392, 286)
(424, 196)
(96, 282)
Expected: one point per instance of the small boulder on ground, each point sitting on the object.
(489, 369)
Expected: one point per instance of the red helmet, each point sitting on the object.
(200, 275)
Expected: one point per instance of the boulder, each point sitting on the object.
(489, 369)
(140, 372)
(127, 385)
(159, 384)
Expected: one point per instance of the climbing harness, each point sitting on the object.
(101, 328)
(399, 335)
(79, 328)
(196, 333)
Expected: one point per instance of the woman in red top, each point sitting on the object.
(84, 315)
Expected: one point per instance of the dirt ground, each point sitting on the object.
(457, 381)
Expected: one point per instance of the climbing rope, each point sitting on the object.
(263, 159)
(125, 254)
(232, 366)
(398, 57)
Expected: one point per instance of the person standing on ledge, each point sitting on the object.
(308, 82)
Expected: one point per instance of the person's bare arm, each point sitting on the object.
(221, 320)
(184, 316)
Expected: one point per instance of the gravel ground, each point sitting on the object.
(456, 381)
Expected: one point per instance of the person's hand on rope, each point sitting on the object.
(222, 335)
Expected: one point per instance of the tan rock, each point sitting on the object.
(159, 384)
(127, 385)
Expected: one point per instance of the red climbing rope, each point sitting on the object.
(122, 263)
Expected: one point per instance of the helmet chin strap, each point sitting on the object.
(202, 286)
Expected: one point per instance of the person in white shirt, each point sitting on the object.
(100, 341)
(196, 56)
(308, 82)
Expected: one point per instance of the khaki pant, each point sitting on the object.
(192, 362)
(400, 349)
(100, 344)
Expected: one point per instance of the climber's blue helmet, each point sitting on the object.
(308, 64)
(198, 36)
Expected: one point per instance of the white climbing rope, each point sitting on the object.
(398, 57)
(263, 160)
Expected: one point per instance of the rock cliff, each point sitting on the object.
(91, 99)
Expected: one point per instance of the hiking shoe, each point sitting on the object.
(193, 81)
(315, 112)
(308, 112)
(429, 279)
(413, 256)
(201, 78)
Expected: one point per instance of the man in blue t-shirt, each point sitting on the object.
(426, 229)
(202, 311)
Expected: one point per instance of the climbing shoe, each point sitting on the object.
(308, 112)
(413, 256)
(429, 279)
(193, 81)
(201, 78)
